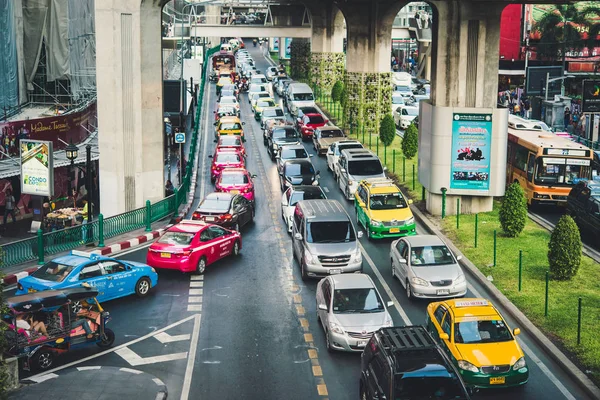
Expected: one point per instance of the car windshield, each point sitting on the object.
(308, 195)
(426, 256)
(285, 133)
(277, 112)
(315, 119)
(400, 88)
(259, 80)
(228, 126)
(230, 141)
(303, 97)
(176, 238)
(266, 103)
(365, 167)
(294, 169)
(227, 93)
(363, 300)
(388, 201)
(330, 232)
(487, 331)
(428, 386)
(290, 154)
(53, 271)
(219, 205)
(227, 158)
(560, 171)
(332, 134)
(413, 112)
(397, 99)
(227, 100)
(234, 179)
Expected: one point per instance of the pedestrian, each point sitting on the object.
(567, 117)
(9, 207)
(169, 188)
(84, 221)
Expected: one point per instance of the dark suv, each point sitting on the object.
(583, 204)
(406, 363)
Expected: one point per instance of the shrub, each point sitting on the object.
(387, 130)
(336, 91)
(513, 212)
(564, 249)
(410, 141)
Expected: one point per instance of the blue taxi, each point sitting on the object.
(112, 278)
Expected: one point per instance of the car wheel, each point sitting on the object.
(236, 249)
(264, 141)
(201, 267)
(303, 271)
(408, 291)
(142, 287)
(328, 167)
(43, 359)
(107, 339)
(393, 270)
(76, 307)
(328, 342)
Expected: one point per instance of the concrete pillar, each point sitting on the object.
(213, 17)
(327, 43)
(129, 70)
(282, 48)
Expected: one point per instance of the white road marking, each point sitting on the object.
(194, 307)
(196, 277)
(130, 250)
(211, 362)
(212, 348)
(164, 337)
(325, 189)
(195, 299)
(133, 371)
(387, 289)
(158, 382)
(196, 284)
(533, 357)
(195, 292)
(88, 368)
(134, 359)
(42, 378)
(187, 381)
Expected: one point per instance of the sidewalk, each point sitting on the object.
(175, 152)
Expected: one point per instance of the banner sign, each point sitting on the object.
(288, 44)
(591, 96)
(37, 169)
(471, 149)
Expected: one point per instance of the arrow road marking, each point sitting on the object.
(133, 359)
(164, 337)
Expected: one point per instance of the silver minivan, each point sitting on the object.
(355, 165)
(324, 240)
(299, 95)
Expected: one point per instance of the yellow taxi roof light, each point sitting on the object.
(471, 303)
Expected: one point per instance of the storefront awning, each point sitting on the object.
(511, 72)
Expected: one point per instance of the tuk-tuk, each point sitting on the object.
(223, 62)
(42, 325)
(229, 126)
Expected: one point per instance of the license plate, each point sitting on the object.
(210, 219)
(234, 191)
(394, 230)
(497, 380)
(443, 292)
(335, 271)
(165, 255)
(361, 343)
(30, 290)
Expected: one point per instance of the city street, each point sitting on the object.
(255, 334)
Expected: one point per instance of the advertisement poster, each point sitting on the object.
(471, 148)
(591, 96)
(288, 44)
(37, 169)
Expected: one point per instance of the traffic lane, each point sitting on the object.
(553, 213)
(251, 344)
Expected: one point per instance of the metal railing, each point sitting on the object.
(586, 142)
(61, 240)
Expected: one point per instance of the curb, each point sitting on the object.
(536, 334)
(11, 279)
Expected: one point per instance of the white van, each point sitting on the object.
(226, 47)
(299, 95)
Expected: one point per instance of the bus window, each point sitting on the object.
(548, 174)
(530, 167)
(521, 154)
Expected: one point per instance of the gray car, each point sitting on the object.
(426, 268)
(350, 310)
(271, 113)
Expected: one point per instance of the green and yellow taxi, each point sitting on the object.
(261, 104)
(382, 209)
(479, 342)
(229, 125)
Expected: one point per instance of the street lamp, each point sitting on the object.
(564, 56)
(71, 152)
(560, 78)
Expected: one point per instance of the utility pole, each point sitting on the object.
(564, 56)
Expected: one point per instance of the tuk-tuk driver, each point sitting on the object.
(77, 321)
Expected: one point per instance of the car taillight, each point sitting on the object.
(196, 215)
(19, 286)
(226, 217)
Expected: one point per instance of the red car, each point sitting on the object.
(225, 158)
(308, 123)
(236, 181)
(230, 142)
(190, 246)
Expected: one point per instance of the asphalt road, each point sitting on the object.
(552, 214)
(254, 334)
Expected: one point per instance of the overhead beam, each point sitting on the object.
(201, 30)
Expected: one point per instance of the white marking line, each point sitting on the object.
(196, 284)
(387, 289)
(133, 371)
(134, 359)
(325, 189)
(197, 277)
(164, 337)
(158, 382)
(187, 381)
(42, 378)
(114, 349)
(535, 359)
(195, 299)
(194, 307)
(195, 292)
(88, 368)
(130, 250)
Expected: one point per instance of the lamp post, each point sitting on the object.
(564, 56)
(548, 80)
(71, 152)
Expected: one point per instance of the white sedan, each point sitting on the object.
(404, 116)
(295, 194)
(334, 151)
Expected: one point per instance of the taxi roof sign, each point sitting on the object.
(85, 254)
(192, 222)
(471, 303)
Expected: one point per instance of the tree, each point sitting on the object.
(387, 133)
(410, 141)
(336, 91)
(564, 249)
(513, 212)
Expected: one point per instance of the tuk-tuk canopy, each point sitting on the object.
(37, 301)
(226, 59)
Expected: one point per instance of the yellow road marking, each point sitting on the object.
(297, 299)
(317, 371)
(304, 323)
(312, 353)
(322, 389)
(300, 310)
(308, 337)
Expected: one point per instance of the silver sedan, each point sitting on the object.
(427, 268)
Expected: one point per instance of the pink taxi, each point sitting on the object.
(230, 142)
(225, 158)
(236, 181)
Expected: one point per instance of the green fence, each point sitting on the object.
(587, 142)
(47, 244)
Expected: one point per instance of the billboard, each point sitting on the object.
(536, 81)
(288, 43)
(471, 150)
(591, 96)
(37, 169)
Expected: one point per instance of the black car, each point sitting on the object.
(583, 204)
(280, 136)
(406, 363)
(229, 210)
(298, 172)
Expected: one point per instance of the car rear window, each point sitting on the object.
(273, 113)
(332, 134)
(234, 179)
(218, 205)
(315, 119)
(176, 238)
(227, 158)
(285, 133)
(230, 141)
(294, 169)
(228, 126)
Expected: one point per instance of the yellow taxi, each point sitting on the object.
(229, 125)
(382, 209)
(261, 104)
(479, 342)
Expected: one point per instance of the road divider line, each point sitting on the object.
(189, 369)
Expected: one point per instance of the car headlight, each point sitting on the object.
(388, 321)
(357, 256)
(409, 221)
(335, 327)
(419, 281)
(519, 364)
(461, 279)
(310, 259)
(315, 182)
(350, 182)
(467, 366)
(374, 222)
(153, 270)
(275, 146)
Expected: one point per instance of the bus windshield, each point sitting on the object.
(560, 171)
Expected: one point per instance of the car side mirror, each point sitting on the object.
(410, 201)
(284, 201)
(243, 123)
(210, 155)
(253, 176)
(215, 141)
(322, 307)
(360, 234)
(390, 304)
(385, 168)
(281, 173)
(343, 170)
(311, 155)
(402, 260)
(214, 112)
(318, 172)
(444, 336)
(298, 236)
(516, 331)
(458, 258)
